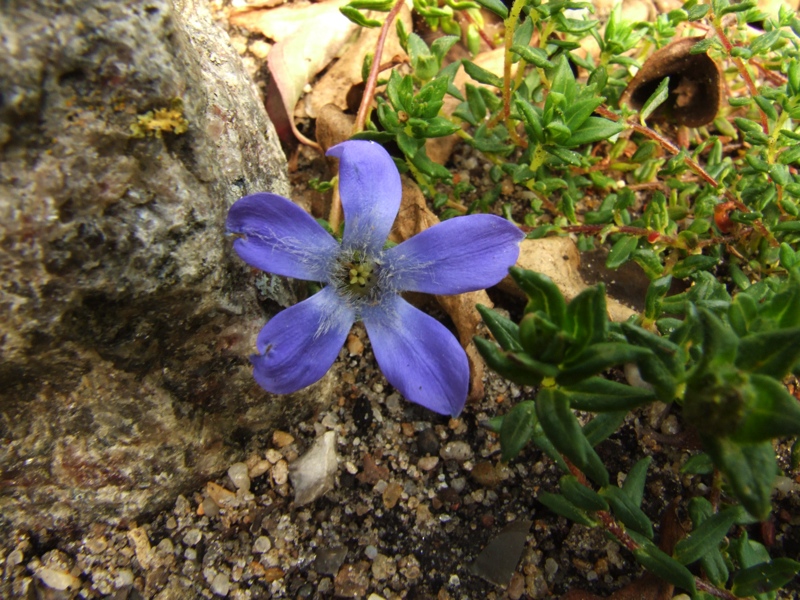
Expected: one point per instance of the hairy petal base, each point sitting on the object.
(298, 345)
(419, 356)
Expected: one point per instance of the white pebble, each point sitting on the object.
(458, 451)
(238, 474)
(221, 585)
(262, 545)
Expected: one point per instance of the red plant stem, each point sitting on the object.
(372, 81)
(691, 163)
(742, 70)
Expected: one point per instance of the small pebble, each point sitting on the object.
(371, 552)
(391, 495)
(221, 585)
(457, 451)
(192, 537)
(262, 544)
(238, 474)
(280, 472)
(427, 443)
(281, 439)
(428, 463)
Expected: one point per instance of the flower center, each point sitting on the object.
(359, 276)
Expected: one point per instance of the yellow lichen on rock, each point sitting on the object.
(155, 123)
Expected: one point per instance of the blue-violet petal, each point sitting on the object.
(281, 238)
(298, 345)
(418, 355)
(370, 189)
(459, 255)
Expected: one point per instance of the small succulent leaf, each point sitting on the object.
(495, 6)
(564, 431)
(597, 394)
(699, 464)
(517, 429)
(764, 577)
(772, 353)
(562, 80)
(621, 251)
(481, 75)
(748, 553)
(476, 104)
(597, 358)
(750, 468)
(603, 425)
(656, 99)
(543, 294)
(633, 486)
(499, 361)
(577, 113)
(742, 313)
(533, 56)
(627, 511)
(561, 506)
(662, 564)
(715, 567)
(580, 495)
(537, 333)
(700, 509)
(771, 412)
(593, 129)
(720, 343)
(357, 17)
(587, 319)
(441, 46)
(504, 330)
(784, 308)
(531, 119)
(706, 536)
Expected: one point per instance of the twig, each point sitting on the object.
(372, 80)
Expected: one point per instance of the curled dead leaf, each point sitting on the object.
(695, 84)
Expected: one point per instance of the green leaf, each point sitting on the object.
(597, 358)
(656, 291)
(597, 394)
(699, 464)
(481, 75)
(564, 431)
(771, 412)
(496, 6)
(533, 56)
(441, 46)
(772, 353)
(576, 114)
(357, 17)
(633, 485)
(656, 99)
(421, 161)
(517, 429)
(503, 363)
(707, 536)
(621, 251)
(750, 469)
(720, 343)
(587, 318)
(561, 506)
(580, 495)
(594, 129)
(562, 80)
(541, 339)
(543, 294)
(627, 511)
(661, 564)
(603, 425)
(765, 577)
(504, 330)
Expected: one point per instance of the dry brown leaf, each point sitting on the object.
(334, 85)
(308, 38)
(559, 259)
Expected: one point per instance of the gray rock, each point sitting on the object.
(127, 129)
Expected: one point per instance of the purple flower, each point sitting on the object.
(362, 280)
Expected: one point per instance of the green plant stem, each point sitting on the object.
(372, 81)
(510, 28)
